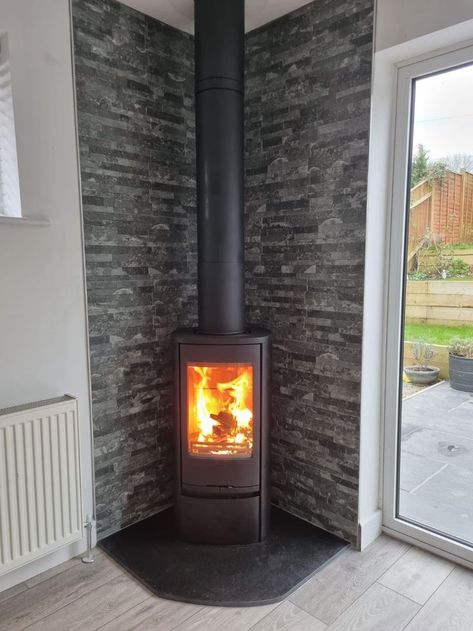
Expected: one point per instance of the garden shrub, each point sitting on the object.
(461, 348)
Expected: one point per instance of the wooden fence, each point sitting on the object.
(440, 302)
(443, 209)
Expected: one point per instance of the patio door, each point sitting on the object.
(428, 450)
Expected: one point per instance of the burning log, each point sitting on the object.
(227, 424)
(226, 419)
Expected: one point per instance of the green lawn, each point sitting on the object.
(436, 334)
(455, 247)
(463, 246)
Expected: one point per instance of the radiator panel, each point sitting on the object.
(40, 480)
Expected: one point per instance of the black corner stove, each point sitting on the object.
(222, 369)
(222, 375)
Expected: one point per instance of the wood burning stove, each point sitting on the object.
(222, 431)
(223, 367)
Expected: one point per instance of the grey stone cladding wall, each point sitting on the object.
(307, 125)
(134, 80)
(307, 122)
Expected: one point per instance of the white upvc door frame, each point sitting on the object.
(407, 72)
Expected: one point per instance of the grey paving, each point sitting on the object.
(436, 472)
(416, 469)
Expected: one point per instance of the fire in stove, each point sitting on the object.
(220, 410)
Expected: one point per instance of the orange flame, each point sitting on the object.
(220, 415)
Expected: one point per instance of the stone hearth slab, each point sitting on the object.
(232, 576)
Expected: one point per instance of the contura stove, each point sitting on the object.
(222, 368)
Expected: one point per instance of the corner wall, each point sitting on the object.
(307, 128)
(308, 107)
(134, 80)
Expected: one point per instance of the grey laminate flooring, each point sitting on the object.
(388, 587)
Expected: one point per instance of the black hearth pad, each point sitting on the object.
(231, 576)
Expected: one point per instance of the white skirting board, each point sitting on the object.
(369, 530)
(40, 480)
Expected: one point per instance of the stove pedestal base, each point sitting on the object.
(219, 521)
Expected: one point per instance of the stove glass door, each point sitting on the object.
(220, 410)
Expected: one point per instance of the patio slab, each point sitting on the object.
(416, 469)
(445, 446)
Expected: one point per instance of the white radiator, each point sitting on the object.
(40, 482)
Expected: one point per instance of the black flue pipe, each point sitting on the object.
(219, 87)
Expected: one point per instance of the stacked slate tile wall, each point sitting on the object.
(307, 119)
(307, 124)
(136, 133)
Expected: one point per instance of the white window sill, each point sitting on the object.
(24, 221)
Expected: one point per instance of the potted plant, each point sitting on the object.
(421, 373)
(460, 365)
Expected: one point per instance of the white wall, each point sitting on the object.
(399, 21)
(43, 342)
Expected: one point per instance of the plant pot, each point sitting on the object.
(461, 373)
(422, 376)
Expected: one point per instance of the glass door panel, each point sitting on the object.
(220, 410)
(434, 482)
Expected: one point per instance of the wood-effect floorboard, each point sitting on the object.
(390, 586)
